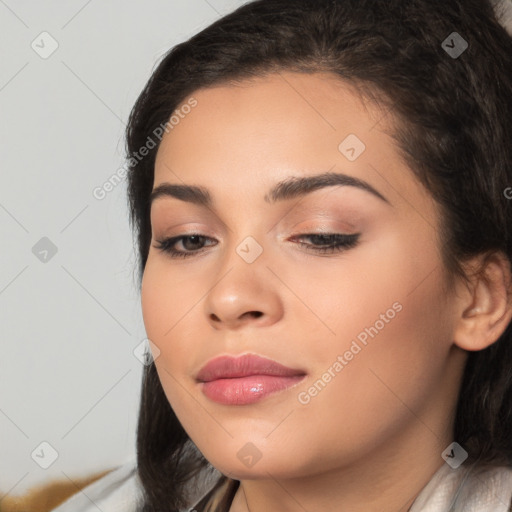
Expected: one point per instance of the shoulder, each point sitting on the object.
(121, 491)
(118, 491)
(469, 488)
(490, 487)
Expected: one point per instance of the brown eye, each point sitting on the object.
(167, 245)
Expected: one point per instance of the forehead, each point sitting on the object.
(259, 131)
(295, 106)
(287, 116)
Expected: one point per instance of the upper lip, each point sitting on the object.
(225, 367)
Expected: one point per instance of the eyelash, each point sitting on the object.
(342, 242)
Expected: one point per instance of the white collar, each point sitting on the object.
(469, 488)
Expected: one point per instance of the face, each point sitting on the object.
(341, 281)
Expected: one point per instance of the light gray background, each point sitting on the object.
(69, 326)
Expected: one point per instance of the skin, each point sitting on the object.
(372, 438)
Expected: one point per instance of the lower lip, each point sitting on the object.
(246, 390)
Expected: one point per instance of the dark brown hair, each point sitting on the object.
(453, 127)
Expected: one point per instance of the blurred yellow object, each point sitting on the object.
(46, 497)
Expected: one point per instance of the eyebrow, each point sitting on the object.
(290, 188)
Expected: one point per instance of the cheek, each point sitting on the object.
(350, 293)
(393, 331)
(387, 302)
(402, 311)
(166, 300)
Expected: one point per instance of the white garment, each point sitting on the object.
(504, 9)
(465, 489)
(118, 491)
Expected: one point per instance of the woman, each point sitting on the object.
(321, 192)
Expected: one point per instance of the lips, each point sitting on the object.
(228, 367)
(246, 379)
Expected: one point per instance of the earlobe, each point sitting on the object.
(485, 307)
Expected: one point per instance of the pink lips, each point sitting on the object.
(245, 379)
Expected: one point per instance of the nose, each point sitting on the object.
(245, 294)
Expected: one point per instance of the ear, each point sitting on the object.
(485, 305)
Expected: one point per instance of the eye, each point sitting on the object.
(167, 245)
(323, 243)
(327, 243)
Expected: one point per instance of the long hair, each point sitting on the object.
(450, 96)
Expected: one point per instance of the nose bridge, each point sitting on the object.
(250, 249)
(246, 230)
(243, 257)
